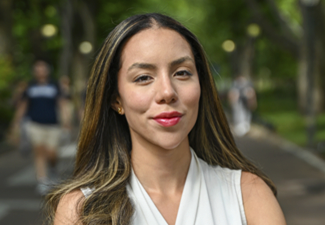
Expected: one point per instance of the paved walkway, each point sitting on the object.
(301, 187)
(19, 202)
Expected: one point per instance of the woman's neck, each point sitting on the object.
(160, 170)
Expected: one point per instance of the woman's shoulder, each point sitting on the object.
(67, 210)
(260, 204)
(223, 174)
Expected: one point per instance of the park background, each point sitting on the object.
(278, 44)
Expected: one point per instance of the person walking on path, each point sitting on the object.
(16, 100)
(66, 94)
(40, 103)
(242, 98)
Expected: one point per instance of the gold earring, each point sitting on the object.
(119, 110)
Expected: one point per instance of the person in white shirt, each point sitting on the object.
(155, 146)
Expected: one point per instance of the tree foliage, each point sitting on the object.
(274, 52)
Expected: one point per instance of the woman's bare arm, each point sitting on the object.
(67, 210)
(261, 206)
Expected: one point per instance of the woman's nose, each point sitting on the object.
(166, 92)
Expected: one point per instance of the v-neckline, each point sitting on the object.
(188, 206)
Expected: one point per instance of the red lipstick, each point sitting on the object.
(168, 119)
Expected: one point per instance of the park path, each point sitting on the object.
(301, 187)
(19, 202)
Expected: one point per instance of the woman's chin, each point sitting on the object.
(171, 145)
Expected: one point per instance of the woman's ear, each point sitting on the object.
(117, 106)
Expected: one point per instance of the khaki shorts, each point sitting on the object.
(41, 134)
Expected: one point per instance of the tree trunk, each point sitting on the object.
(79, 77)
(246, 59)
(66, 29)
(5, 27)
(312, 73)
(242, 59)
(81, 62)
(302, 80)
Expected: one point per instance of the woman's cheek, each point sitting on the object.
(193, 97)
(138, 101)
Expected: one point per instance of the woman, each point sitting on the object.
(155, 146)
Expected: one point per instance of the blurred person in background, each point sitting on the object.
(83, 95)
(242, 99)
(155, 146)
(18, 93)
(21, 136)
(65, 88)
(40, 103)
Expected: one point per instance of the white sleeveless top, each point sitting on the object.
(211, 196)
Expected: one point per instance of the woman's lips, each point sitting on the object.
(168, 119)
(168, 122)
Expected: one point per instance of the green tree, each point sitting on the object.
(298, 27)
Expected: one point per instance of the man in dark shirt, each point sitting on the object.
(40, 103)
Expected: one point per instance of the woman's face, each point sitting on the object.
(159, 88)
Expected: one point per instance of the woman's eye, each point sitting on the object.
(183, 73)
(142, 79)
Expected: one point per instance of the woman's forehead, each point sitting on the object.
(154, 42)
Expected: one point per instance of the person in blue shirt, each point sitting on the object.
(40, 103)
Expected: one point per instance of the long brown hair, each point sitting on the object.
(103, 157)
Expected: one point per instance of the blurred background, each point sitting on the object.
(276, 48)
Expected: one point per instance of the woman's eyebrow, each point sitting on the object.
(142, 66)
(181, 60)
(151, 66)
